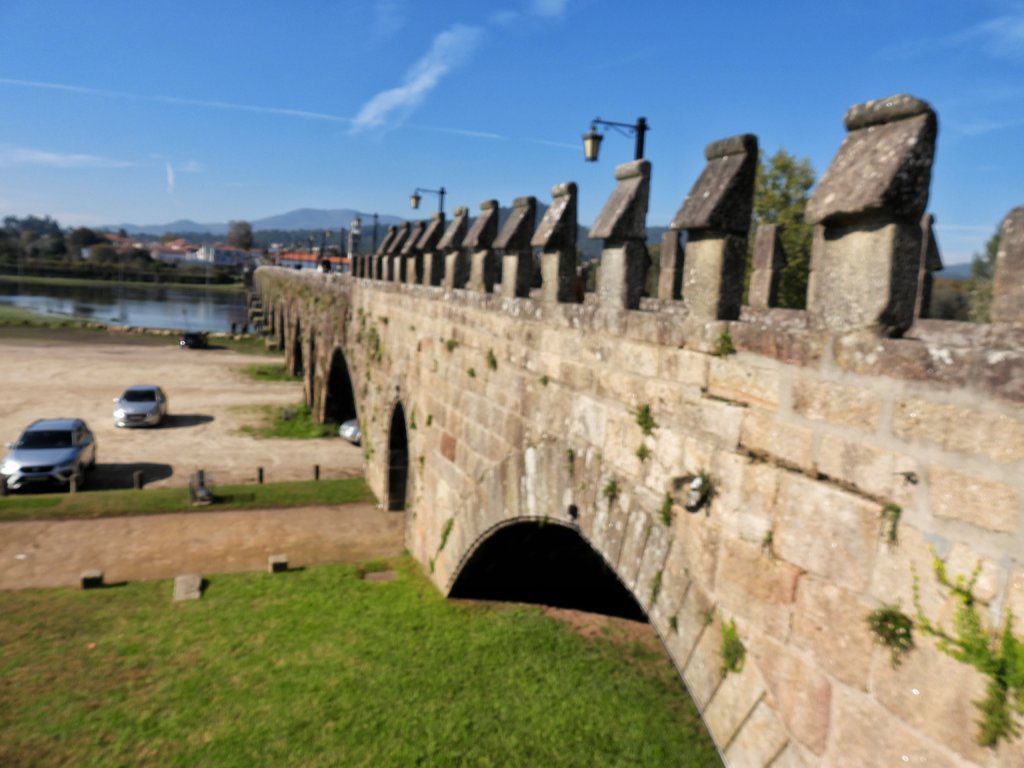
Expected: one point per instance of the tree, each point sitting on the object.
(780, 197)
(979, 287)
(240, 234)
(83, 236)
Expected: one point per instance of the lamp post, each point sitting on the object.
(414, 198)
(592, 139)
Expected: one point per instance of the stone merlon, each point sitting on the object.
(398, 241)
(412, 242)
(723, 197)
(624, 216)
(518, 229)
(557, 229)
(1008, 282)
(485, 227)
(883, 167)
(432, 233)
(456, 232)
(385, 244)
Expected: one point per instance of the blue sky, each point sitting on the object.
(147, 112)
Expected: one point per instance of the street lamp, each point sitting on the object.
(592, 139)
(415, 198)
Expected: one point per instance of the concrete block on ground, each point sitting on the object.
(188, 586)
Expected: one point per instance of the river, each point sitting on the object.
(191, 309)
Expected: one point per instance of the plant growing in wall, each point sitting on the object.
(645, 419)
(545, 380)
(570, 461)
(471, 372)
(996, 653)
(700, 492)
(893, 629)
(890, 520)
(734, 653)
(666, 510)
(643, 452)
(611, 490)
(655, 587)
(492, 361)
(723, 345)
(451, 344)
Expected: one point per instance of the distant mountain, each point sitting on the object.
(302, 218)
(955, 272)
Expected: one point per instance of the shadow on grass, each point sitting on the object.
(108, 477)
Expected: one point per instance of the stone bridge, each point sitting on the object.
(698, 461)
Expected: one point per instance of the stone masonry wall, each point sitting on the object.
(518, 408)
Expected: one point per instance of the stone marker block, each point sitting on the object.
(1008, 281)
(723, 197)
(277, 563)
(92, 579)
(188, 586)
(556, 236)
(670, 276)
(865, 264)
(769, 261)
(514, 243)
(484, 268)
(930, 262)
(622, 224)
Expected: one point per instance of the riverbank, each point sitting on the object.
(86, 282)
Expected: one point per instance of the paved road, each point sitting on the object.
(54, 553)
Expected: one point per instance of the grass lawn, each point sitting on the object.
(292, 422)
(154, 501)
(91, 281)
(321, 668)
(269, 372)
(18, 317)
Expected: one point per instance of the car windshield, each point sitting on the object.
(47, 438)
(139, 395)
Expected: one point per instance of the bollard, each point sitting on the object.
(259, 475)
(73, 484)
(316, 471)
(137, 479)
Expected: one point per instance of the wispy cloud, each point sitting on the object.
(10, 156)
(1003, 36)
(548, 7)
(192, 166)
(210, 103)
(448, 51)
(170, 178)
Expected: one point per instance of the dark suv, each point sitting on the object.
(50, 451)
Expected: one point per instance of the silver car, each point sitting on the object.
(350, 431)
(144, 405)
(50, 452)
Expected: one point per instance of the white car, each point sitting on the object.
(349, 430)
(144, 405)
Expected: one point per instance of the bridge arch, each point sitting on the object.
(309, 378)
(339, 399)
(397, 460)
(533, 560)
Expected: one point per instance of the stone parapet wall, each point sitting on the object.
(526, 409)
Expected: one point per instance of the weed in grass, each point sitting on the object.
(269, 372)
(289, 422)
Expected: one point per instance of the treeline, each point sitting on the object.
(37, 246)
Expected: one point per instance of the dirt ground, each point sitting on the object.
(46, 374)
(54, 553)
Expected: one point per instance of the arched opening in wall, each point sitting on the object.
(547, 564)
(279, 327)
(297, 368)
(398, 460)
(339, 397)
(311, 373)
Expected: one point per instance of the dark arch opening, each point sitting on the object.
(279, 327)
(545, 563)
(297, 368)
(398, 460)
(340, 403)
